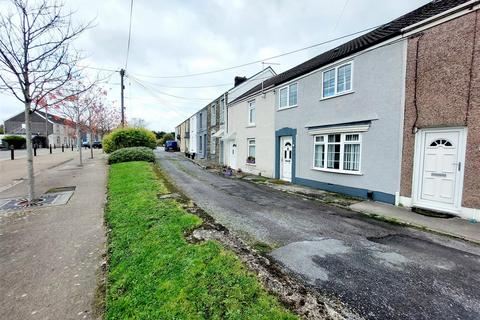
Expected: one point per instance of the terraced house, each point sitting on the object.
(441, 133)
(336, 122)
(209, 131)
(392, 115)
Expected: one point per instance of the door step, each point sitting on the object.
(432, 213)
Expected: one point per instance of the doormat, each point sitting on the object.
(46, 200)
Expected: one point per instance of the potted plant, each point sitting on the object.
(250, 160)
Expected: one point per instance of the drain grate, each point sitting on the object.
(53, 197)
(61, 189)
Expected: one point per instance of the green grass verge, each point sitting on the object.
(154, 273)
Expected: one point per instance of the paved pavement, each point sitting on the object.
(455, 226)
(50, 257)
(380, 270)
(13, 172)
(22, 153)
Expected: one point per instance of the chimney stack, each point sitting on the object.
(239, 80)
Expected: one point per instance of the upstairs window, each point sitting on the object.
(251, 113)
(200, 119)
(213, 114)
(222, 111)
(337, 80)
(288, 96)
(337, 152)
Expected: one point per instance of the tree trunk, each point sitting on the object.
(28, 136)
(79, 140)
(91, 147)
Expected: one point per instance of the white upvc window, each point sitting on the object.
(337, 152)
(251, 151)
(213, 144)
(251, 112)
(337, 80)
(213, 114)
(288, 96)
(222, 111)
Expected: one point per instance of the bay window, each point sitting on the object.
(337, 152)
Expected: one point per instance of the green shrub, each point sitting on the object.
(16, 141)
(132, 154)
(128, 137)
(165, 138)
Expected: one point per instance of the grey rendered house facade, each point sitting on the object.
(344, 137)
(339, 116)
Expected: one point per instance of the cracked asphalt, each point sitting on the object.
(379, 270)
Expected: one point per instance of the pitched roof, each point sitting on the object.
(53, 117)
(380, 34)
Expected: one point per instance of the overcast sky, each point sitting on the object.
(183, 37)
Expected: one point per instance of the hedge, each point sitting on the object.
(128, 137)
(132, 154)
(16, 141)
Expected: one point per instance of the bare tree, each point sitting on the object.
(95, 99)
(36, 58)
(138, 123)
(76, 108)
(108, 118)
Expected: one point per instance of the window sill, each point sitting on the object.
(286, 108)
(354, 173)
(338, 95)
(251, 126)
(251, 164)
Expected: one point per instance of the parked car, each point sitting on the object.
(97, 145)
(171, 145)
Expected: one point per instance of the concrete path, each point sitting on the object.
(50, 257)
(456, 227)
(380, 270)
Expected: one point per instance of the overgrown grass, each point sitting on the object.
(154, 273)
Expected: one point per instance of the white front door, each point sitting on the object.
(233, 155)
(286, 149)
(438, 175)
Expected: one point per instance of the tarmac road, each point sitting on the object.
(379, 270)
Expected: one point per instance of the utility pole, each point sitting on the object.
(122, 100)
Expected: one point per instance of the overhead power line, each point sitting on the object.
(341, 15)
(256, 61)
(145, 86)
(188, 87)
(98, 68)
(129, 34)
